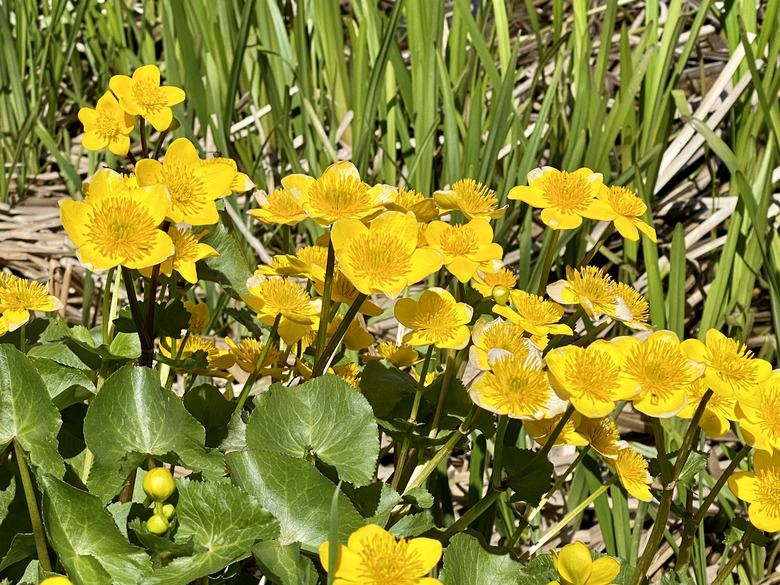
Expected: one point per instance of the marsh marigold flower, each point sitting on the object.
(627, 209)
(401, 356)
(18, 297)
(270, 297)
(631, 469)
(278, 207)
(760, 490)
(199, 316)
(471, 198)
(406, 200)
(575, 566)
(593, 290)
(466, 248)
(602, 435)
(497, 334)
(484, 283)
(639, 307)
(542, 429)
(142, 95)
(732, 370)
(436, 319)
(718, 411)
(759, 420)
(218, 360)
(247, 353)
(187, 250)
(384, 256)
(350, 373)
(107, 125)
(373, 556)
(356, 337)
(564, 198)
(117, 226)
(241, 181)
(534, 314)
(193, 187)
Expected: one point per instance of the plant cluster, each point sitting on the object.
(284, 466)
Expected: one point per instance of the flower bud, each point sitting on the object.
(159, 484)
(501, 294)
(56, 581)
(168, 511)
(157, 524)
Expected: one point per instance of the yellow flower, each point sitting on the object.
(436, 319)
(595, 291)
(717, 413)
(241, 181)
(193, 187)
(640, 309)
(340, 194)
(349, 373)
(373, 556)
(406, 200)
(627, 209)
(356, 336)
(565, 198)
(401, 356)
(497, 334)
(575, 566)
(631, 468)
(219, 360)
(107, 125)
(143, 96)
(760, 490)
(541, 430)
(661, 371)
(590, 377)
(187, 250)
(484, 283)
(471, 198)
(466, 248)
(247, 352)
(199, 316)
(274, 296)
(18, 297)
(383, 257)
(279, 207)
(602, 435)
(118, 226)
(517, 387)
(343, 291)
(732, 371)
(760, 421)
(534, 314)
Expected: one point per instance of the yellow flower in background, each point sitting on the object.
(575, 566)
(760, 490)
(199, 316)
(116, 226)
(383, 257)
(471, 198)
(436, 319)
(279, 207)
(759, 421)
(270, 297)
(717, 413)
(534, 314)
(406, 200)
(517, 387)
(627, 209)
(401, 356)
(661, 371)
(350, 373)
(247, 353)
(466, 248)
(193, 187)
(564, 198)
(373, 556)
(241, 181)
(340, 194)
(484, 283)
(19, 296)
(631, 469)
(343, 291)
(590, 378)
(107, 125)
(602, 435)
(541, 430)
(142, 95)
(187, 250)
(639, 307)
(595, 291)
(732, 370)
(219, 360)
(356, 337)
(497, 334)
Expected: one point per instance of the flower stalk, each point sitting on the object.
(321, 365)
(256, 373)
(32, 507)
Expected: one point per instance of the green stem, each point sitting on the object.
(135, 311)
(144, 141)
(498, 451)
(150, 294)
(747, 538)
(322, 364)
(23, 338)
(256, 373)
(548, 259)
(589, 256)
(453, 365)
(322, 332)
(32, 508)
(107, 302)
(660, 447)
(160, 142)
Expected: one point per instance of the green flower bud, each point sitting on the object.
(56, 581)
(168, 511)
(157, 524)
(159, 484)
(501, 294)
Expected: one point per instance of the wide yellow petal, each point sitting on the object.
(87, 116)
(217, 179)
(121, 85)
(428, 552)
(599, 210)
(434, 232)
(183, 153)
(462, 268)
(480, 227)
(530, 195)
(694, 349)
(764, 517)
(172, 95)
(405, 311)
(154, 199)
(423, 262)
(161, 119)
(74, 216)
(558, 220)
(344, 231)
(604, 571)
(649, 231)
(15, 318)
(766, 460)
(187, 270)
(365, 535)
(94, 259)
(626, 228)
(743, 484)
(402, 225)
(574, 563)
(119, 145)
(94, 141)
(148, 74)
(148, 172)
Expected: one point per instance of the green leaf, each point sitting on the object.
(385, 387)
(162, 547)
(696, 462)
(125, 345)
(675, 578)
(296, 493)
(231, 265)
(210, 408)
(413, 525)
(61, 353)
(284, 564)
(223, 520)
(133, 416)
(325, 417)
(467, 560)
(22, 547)
(535, 482)
(66, 385)
(88, 543)
(169, 319)
(27, 414)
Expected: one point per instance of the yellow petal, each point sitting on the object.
(626, 228)
(405, 311)
(530, 195)
(161, 120)
(574, 563)
(87, 116)
(121, 85)
(604, 571)
(120, 145)
(172, 95)
(162, 247)
(75, 218)
(428, 552)
(183, 153)
(149, 74)
(94, 141)
(743, 484)
(345, 231)
(148, 172)
(557, 220)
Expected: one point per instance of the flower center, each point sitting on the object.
(284, 296)
(337, 196)
(732, 362)
(107, 125)
(186, 189)
(660, 369)
(281, 202)
(120, 228)
(389, 563)
(148, 96)
(769, 411)
(380, 258)
(625, 202)
(593, 374)
(512, 386)
(591, 284)
(19, 294)
(768, 492)
(506, 336)
(631, 467)
(186, 245)
(640, 309)
(570, 193)
(436, 320)
(537, 311)
(407, 198)
(475, 197)
(459, 241)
